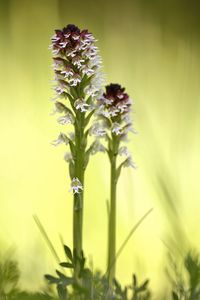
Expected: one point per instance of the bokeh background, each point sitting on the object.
(150, 47)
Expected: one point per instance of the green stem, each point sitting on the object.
(112, 213)
(79, 197)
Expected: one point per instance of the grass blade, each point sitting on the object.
(46, 238)
(121, 248)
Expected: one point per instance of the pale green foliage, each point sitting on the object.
(9, 276)
(188, 287)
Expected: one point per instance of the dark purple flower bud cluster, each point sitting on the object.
(76, 60)
(115, 100)
(114, 105)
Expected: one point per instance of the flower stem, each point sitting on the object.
(79, 197)
(112, 213)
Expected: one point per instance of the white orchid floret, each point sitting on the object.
(57, 65)
(91, 91)
(98, 130)
(67, 72)
(123, 151)
(74, 80)
(59, 108)
(53, 99)
(90, 52)
(72, 136)
(95, 62)
(67, 119)
(62, 139)
(113, 111)
(54, 38)
(58, 76)
(75, 36)
(81, 105)
(70, 53)
(78, 61)
(68, 157)
(95, 92)
(129, 163)
(76, 186)
(122, 107)
(55, 52)
(117, 129)
(59, 90)
(124, 138)
(107, 101)
(100, 110)
(61, 83)
(97, 147)
(88, 71)
(127, 119)
(89, 38)
(128, 128)
(83, 46)
(86, 42)
(64, 44)
(94, 89)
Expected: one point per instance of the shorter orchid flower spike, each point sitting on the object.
(115, 106)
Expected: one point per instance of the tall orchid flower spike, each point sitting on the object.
(113, 113)
(78, 80)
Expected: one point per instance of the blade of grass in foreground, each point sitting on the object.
(135, 227)
(46, 238)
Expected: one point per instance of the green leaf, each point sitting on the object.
(72, 148)
(134, 280)
(89, 100)
(88, 153)
(83, 81)
(143, 286)
(117, 287)
(66, 265)
(62, 292)
(87, 119)
(52, 279)
(62, 108)
(74, 93)
(65, 280)
(118, 171)
(86, 133)
(175, 296)
(86, 80)
(68, 253)
(82, 259)
(71, 99)
(107, 121)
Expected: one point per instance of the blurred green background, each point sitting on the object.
(151, 48)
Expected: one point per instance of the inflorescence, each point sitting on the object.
(76, 59)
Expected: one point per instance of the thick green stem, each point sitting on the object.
(112, 213)
(78, 197)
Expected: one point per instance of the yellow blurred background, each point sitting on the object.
(151, 48)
